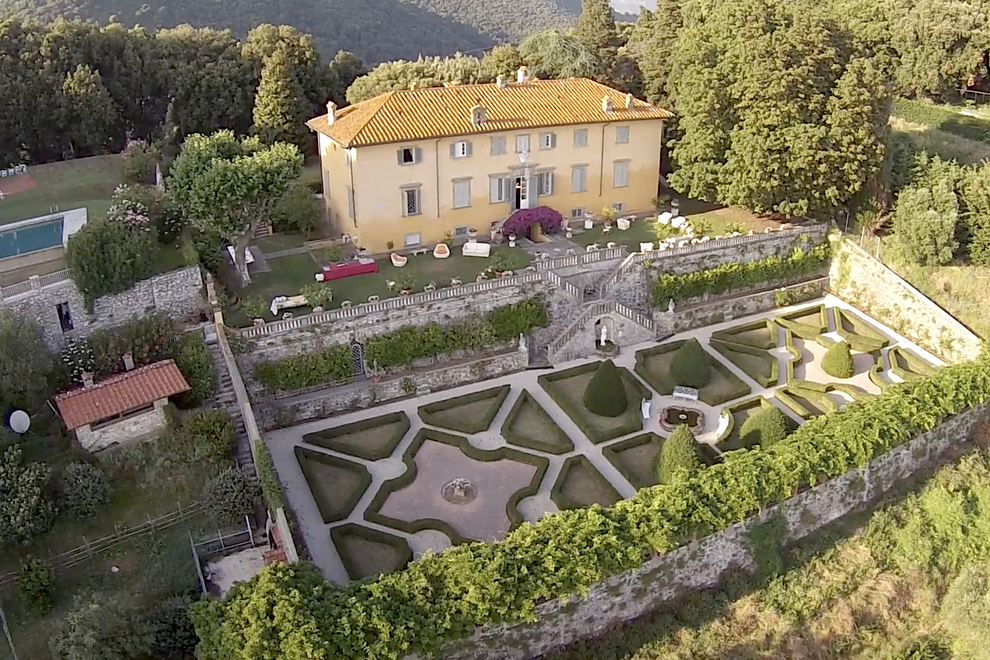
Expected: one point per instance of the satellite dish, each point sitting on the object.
(20, 422)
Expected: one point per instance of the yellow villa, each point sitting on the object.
(410, 168)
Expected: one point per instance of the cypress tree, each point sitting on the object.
(679, 456)
(690, 365)
(596, 26)
(280, 106)
(606, 393)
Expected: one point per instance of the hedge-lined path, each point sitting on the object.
(281, 443)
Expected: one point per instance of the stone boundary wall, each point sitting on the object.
(631, 284)
(178, 293)
(699, 565)
(275, 414)
(733, 306)
(866, 283)
(310, 338)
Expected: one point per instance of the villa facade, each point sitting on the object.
(410, 168)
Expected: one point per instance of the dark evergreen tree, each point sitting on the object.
(91, 117)
(606, 393)
(596, 26)
(280, 108)
(679, 456)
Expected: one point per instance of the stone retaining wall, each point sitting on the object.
(861, 280)
(365, 394)
(178, 293)
(699, 565)
(733, 306)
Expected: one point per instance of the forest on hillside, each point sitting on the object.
(375, 30)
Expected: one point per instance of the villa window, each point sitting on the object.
(409, 155)
(462, 193)
(579, 178)
(622, 135)
(498, 189)
(522, 144)
(620, 174)
(411, 202)
(544, 183)
(498, 146)
(64, 316)
(580, 137)
(577, 213)
(460, 149)
(548, 141)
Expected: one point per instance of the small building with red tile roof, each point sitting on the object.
(125, 407)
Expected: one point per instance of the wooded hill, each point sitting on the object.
(376, 30)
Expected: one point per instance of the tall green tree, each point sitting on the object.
(679, 456)
(767, 92)
(108, 256)
(977, 198)
(652, 45)
(90, 114)
(228, 185)
(925, 220)
(597, 26)
(552, 54)
(27, 369)
(25, 510)
(502, 60)
(280, 107)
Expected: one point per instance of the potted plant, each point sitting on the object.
(405, 283)
(472, 232)
(609, 214)
(334, 253)
(512, 240)
(254, 307)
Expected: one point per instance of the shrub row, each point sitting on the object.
(410, 343)
(331, 365)
(729, 276)
(442, 597)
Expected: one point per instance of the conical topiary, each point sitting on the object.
(690, 365)
(606, 393)
(765, 428)
(838, 362)
(679, 456)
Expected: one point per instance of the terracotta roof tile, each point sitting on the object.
(434, 112)
(121, 394)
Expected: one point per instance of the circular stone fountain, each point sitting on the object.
(459, 491)
(673, 416)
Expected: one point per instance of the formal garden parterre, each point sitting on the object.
(448, 468)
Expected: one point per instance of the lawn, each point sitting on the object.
(367, 552)
(641, 231)
(336, 484)
(941, 143)
(635, 457)
(653, 365)
(289, 274)
(470, 413)
(581, 485)
(740, 413)
(371, 439)
(529, 425)
(280, 241)
(567, 390)
(70, 184)
(757, 363)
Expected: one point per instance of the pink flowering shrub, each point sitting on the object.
(520, 221)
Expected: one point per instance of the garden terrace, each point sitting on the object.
(636, 458)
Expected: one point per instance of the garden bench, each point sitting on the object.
(687, 393)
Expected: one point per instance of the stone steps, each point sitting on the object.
(225, 399)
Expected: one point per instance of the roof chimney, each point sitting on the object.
(479, 114)
(128, 361)
(522, 75)
(87, 378)
(630, 102)
(607, 104)
(500, 81)
(331, 112)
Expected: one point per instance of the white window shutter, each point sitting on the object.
(398, 156)
(453, 150)
(468, 148)
(553, 140)
(494, 189)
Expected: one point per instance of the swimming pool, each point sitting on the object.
(30, 236)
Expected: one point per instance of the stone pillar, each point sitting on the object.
(35, 283)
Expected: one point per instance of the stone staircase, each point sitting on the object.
(226, 400)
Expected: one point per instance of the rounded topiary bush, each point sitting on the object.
(83, 490)
(838, 362)
(36, 586)
(606, 393)
(679, 456)
(690, 365)
(766, 428)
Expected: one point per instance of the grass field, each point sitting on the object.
(88, 182)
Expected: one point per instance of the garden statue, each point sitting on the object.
(604, 335)
(522, 343)
(670, 306)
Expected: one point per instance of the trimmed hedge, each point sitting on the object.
(807, 328)
(373, 513)
(750, 334)
(444, 597)
(640, 474)
(723, 386)
(557, 443)
(861, 336)
(339, 537)
(913, 366)
(739, 275)
(410, 343)
(679, 456)
(568, 470)
(271, 487)
(429, 412)
(332, 509)
(331, 365)
(605, 394)
(943, 119)
(580, 416)
(766, 428)
(757, 363)
(332, 438)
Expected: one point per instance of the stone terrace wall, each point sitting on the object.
(377, 319)
(365, 394)
(632, 285)
(732, 306)
(699, 565)
(861, 280)
(178, 294)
